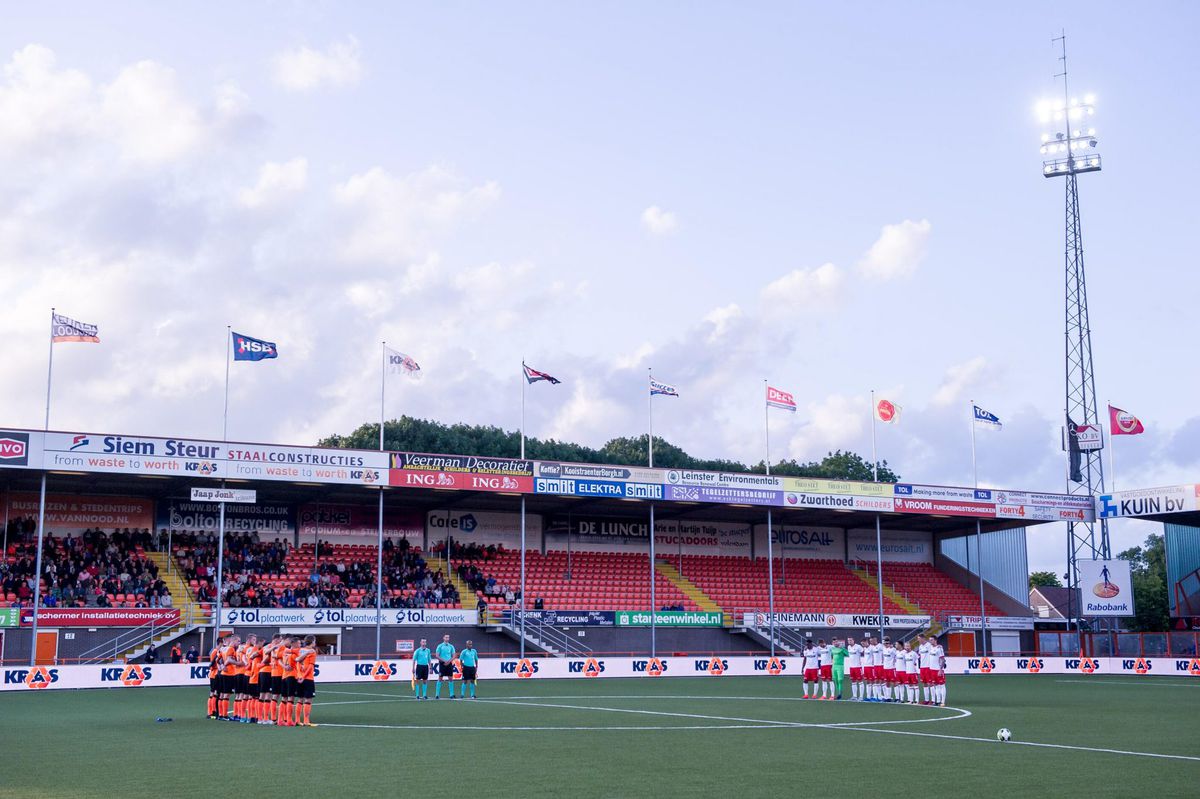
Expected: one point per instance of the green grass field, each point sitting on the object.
(698, 737)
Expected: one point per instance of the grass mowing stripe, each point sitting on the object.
(1145, 683)
(1016, 743)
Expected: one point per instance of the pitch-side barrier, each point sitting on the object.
(38, 678)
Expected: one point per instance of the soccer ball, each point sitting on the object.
(1003, 734)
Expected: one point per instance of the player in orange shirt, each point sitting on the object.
(254, 658)
(241, 679)
(266, 681)
(228, 687)
(214, 678)
(287, 662)
(306, 668)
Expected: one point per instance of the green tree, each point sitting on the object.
(1044, 579)
(407, 434)
(1148, 569)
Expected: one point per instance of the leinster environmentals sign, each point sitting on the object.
(670, 618)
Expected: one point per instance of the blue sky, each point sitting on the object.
(835, 201)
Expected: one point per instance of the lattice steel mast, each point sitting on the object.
(1075, 145)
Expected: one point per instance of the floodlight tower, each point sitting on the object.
(1071, 151)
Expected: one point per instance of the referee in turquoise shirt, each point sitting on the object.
(445, 656)
(469, 658)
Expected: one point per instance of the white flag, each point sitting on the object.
(400, 364)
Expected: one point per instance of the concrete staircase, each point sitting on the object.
(689, 589)
(192, 614)
(909, 607)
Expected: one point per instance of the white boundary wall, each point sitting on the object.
(24, 678)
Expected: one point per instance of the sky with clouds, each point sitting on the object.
(836, 202)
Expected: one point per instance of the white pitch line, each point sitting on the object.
(1089, 681)
(553, 729)
(1017, 743)
(764, 724)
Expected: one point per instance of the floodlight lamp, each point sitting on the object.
(1091, 131)
(1058, 115)
(1089, 99)
(1045, 137)
(1043, 151)
(1091, 110)
(1074, 101)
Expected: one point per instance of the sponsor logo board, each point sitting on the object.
(1148, 501)
(1105, 587)
(670, 618)
(805, 621)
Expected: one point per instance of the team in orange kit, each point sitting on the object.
(271, 683)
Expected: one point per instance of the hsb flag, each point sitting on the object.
(534, 376)
(246, 348)
(1124, 423)
(64, 329)
(780, 399)
(658, 387)
(400, 364)
(986, 418)
(887, 411)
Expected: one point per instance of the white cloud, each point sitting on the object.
(303, 69)
(658, 221)
(276, 182)
(803, 289)
(898, 251)
(722, 319)
(391, 217)
(959, 379)
(835, 422)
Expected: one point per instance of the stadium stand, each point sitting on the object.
(273, 574)
(804, 586)
(596, 581)
(93, 568)
(933, 591)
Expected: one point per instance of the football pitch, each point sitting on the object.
(727, 736)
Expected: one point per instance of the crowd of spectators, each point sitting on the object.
(93, 568)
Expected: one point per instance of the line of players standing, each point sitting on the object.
(878, 672)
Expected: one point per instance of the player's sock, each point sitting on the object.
(806, 690)
(416, 690)
(437, 690)
(450, 685)
(472, 690)
(307, 712)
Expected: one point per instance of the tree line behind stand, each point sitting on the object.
(421, 435)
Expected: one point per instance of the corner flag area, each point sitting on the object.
(735, 736)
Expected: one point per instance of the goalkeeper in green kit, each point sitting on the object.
(838, 652)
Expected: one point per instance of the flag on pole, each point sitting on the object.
(657, 387)
(780, 399)
(988, 419)
(63, 329)
(887, 411)
(400, 364)
(1124, 423)
(246, 348)
(534, 376)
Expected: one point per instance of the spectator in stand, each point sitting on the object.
(176, 653)
(151, 655)
(538, 604)
(193, 655)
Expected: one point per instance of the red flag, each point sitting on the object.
(1123, 423)
(780, 399)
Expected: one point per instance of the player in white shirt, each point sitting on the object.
(923, 645)
(812, 669)
(825, 669)
(910, 673)
(855, 652)
(879, 688)
(937, 667)
(889, 670)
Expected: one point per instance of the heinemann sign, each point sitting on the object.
(670, 618)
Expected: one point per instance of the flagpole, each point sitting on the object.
(878, 524)
(650, 417)
(37, 577)
(521, 604)
(1112, 451)
(770, 530)
(653, 601)
(978, 543)
(221, 505)
(379, 543)
(524, 380)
